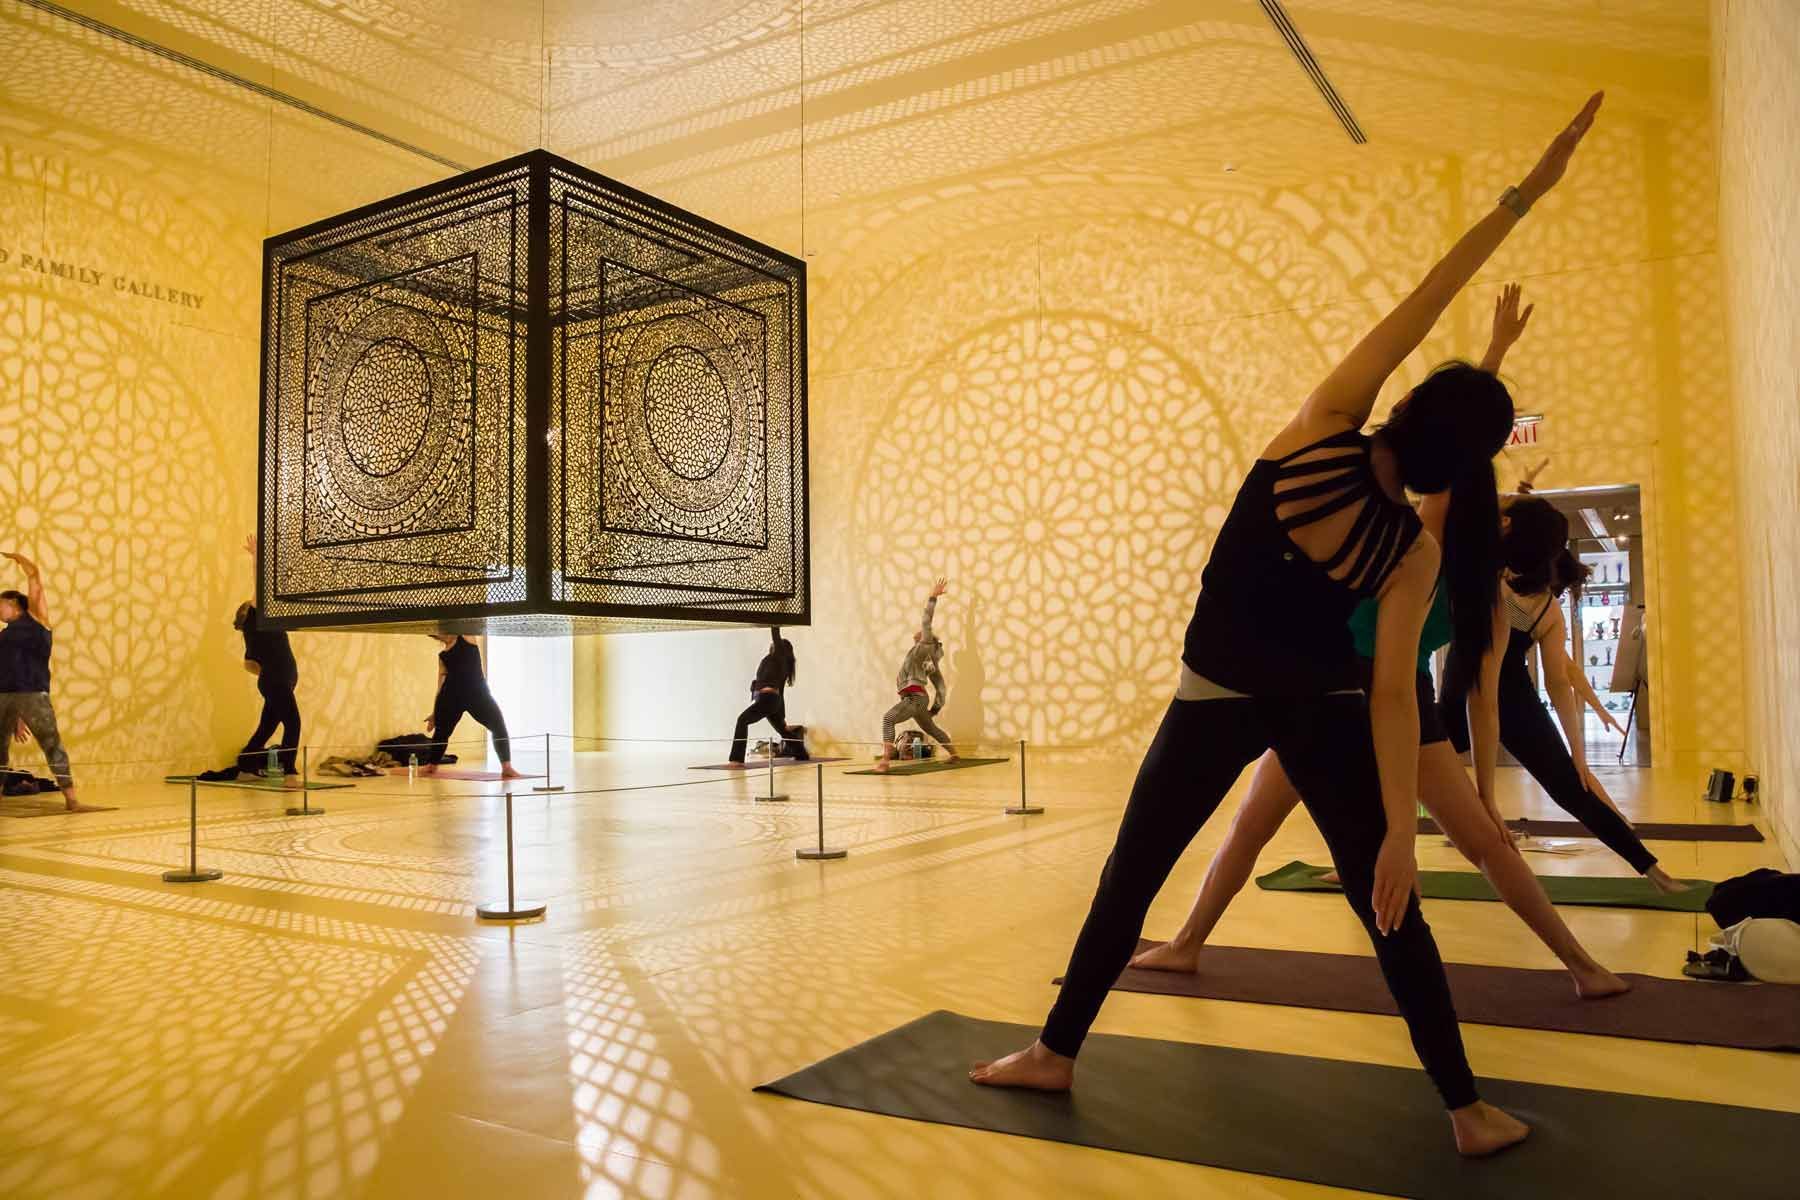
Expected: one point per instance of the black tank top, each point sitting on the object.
(462, 667)
(1271, 621)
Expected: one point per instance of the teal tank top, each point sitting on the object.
(1436, 632)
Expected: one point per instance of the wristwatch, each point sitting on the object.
(1513, 199)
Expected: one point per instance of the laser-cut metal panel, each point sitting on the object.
(531, 400)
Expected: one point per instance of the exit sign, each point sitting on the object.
(1526, 430)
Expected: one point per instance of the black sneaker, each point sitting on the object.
(222, 775)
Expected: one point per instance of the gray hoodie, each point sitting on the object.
(920, 666)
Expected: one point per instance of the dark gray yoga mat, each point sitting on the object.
(1650, 831)
(925, 766)
(1350, 1125)
(1745, 1016)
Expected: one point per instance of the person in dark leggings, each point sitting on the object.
(1319, 524)
(268, 656)
(25, 706)
(768, 700)
(1534, 617)
(462, 688)
(1468, 814)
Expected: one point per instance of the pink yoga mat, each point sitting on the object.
(457, 773)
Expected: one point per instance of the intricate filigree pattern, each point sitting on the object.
(407, 348)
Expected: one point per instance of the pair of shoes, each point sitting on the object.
(1720, 965)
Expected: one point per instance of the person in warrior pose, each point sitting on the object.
(768, 700)
(463, 688)
(1469, 815)
(267, 656)
(1532, 616)
(25, 678)
(921, 666)
(1321, 523)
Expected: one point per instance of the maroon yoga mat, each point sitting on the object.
(1747, 1016)
(1650, 831)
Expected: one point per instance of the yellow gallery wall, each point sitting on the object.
(1048, 327)
(128, 420)
(1756, 61)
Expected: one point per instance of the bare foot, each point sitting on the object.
(1331, 877)
(1168, 956)
(1597, 983)
(1481, 1130)
(428, 768)
(881, 766)
(507, 771)
(292, 782)
(1035, 1067)
(1665, 883)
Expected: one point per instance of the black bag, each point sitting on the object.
(404, 745)
(1764, 892)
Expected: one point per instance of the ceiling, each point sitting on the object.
(806, 105)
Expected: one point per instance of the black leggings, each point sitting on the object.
(449, 709)
(1531, 737)
(1324, 744)
(770, 707)
(279, 708)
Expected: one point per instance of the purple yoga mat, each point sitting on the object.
(1747, 1016)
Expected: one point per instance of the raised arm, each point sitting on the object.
(1348, 393)
(34, 588)
(937, 589)
(1509, 327)
(1394, 718)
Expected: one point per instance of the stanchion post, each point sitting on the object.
(771, 798)
(821, 853)
(194, 873)
(1024, 808)
(549, 785)
(512, 909)
(304, 809)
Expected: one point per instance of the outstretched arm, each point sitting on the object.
(1394, 719)
(1348, 393)
(1509, 327)
(34, 588)
(937, 589)
(1585, 692)
(1484, 718)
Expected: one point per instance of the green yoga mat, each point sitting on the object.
(257, 785)
(1604, 891)
(924, 766)
(1342, 1124)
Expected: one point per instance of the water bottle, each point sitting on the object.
(412, 768)
(272, 765)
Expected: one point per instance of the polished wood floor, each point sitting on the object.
(329, 1020)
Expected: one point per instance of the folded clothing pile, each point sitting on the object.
(21, 783)
(1759, 930)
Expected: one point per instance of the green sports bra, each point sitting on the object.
(1436, 631)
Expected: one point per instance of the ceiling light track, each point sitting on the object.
(1284, 25)
(224, 76)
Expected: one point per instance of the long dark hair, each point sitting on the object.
(783, 650)
(1567, 572)
(1536, 536)
(1444, 435)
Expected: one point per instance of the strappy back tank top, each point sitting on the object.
(1272, 620)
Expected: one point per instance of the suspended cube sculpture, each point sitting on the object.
(531, 400)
